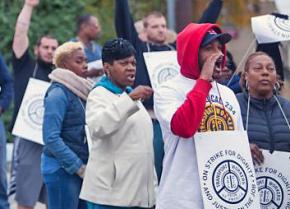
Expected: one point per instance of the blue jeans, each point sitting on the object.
(158, 145)
(97, 206)
(3, 173)
(63, 190)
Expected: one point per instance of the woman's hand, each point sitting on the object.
(141, 93)
(81, 171)
(257, 154)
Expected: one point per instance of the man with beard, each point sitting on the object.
(186, 105)
(26, 155)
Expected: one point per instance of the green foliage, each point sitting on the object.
(51, 16)
(103, 9)
(58, 17)
(141, 8)
(8, 12)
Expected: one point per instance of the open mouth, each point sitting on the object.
(131, 78)
(218, 63)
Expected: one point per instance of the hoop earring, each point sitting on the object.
(247, 85)
(277, 87)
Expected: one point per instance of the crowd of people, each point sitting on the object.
(116, 143)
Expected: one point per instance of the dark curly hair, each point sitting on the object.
(117, 49)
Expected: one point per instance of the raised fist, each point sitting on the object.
(141, 93)
(32, 3)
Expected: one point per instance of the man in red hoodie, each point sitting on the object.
(192, 101)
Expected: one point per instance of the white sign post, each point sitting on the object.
(28, 124)
(226, 171)
(273, 180)
(161, 66)
(268, 28)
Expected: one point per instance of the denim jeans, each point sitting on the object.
(97, 206)
(63, 190)
(158, 145)
(3, 172)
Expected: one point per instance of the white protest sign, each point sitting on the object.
(283, 6)
(28, 124)
(268, 28)
(273, 180)
(161, 66)
(97, 64)
(226, 171)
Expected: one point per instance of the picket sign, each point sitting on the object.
(28, 124)
(226, 172)
(161, 66)
(283, 6)
(268, 28)
(273, 180)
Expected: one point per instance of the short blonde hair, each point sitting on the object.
(64, 50)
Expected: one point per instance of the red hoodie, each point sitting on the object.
(187, 118)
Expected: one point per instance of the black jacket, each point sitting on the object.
(267, 127)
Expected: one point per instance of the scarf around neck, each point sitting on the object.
(107, 84)
(78, 85)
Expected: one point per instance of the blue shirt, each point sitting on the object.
(93, 50)
(6, 88)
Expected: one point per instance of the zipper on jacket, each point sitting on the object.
(272, 146)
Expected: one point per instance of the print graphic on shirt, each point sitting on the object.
(215, 118)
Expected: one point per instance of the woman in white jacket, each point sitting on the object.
(120, 171)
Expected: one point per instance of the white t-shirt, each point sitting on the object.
(180, 187)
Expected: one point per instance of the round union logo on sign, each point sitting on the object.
(33, 111)
(271, 192)
(230, 182)
(165, 72)
(283, 24)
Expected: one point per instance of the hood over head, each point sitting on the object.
(188, 42)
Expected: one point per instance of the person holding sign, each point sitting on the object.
(65, 151)
(192, 102)
(26, 154)
(120, 172)
(266, 115)
(155, 27)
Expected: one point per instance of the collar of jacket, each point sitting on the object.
(261, 103)
(78, 85)
(107, 84)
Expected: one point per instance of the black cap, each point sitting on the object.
(212, 35)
